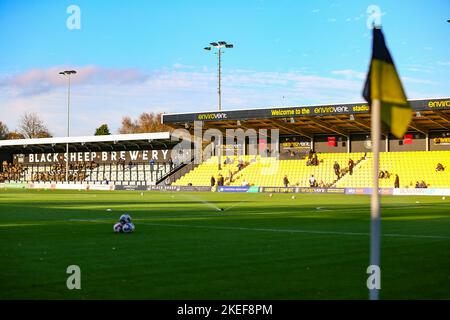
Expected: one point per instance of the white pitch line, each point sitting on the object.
(297, 231)
(89, 220)
(322, 209)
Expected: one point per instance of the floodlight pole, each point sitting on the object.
(68, 73)
(220, 78)
(68, 131)
(219, 46)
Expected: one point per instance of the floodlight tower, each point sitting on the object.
(68, 73)
(219, 46)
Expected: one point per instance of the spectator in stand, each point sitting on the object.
(170, 163)
(152, 164)
(351, 164)
(240, 164)
(417, 185)
(315, 160)
(440, 167)
(213, 181)
(397, 181)
(122, 162)
(387, 175)
(220, 181)
(381, 175)
(423, 184)
(312, 181)
(309, 161)
(245, 183)
(286, 181)
(230, 176)
(337, 169)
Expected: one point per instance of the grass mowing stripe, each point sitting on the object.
(340, 233)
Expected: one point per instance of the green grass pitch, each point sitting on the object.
(259, 247)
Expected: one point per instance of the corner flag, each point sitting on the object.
(384, 92)
(383, 84)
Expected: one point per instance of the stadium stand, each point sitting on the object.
(41, 160)
(336, 133)
(411, 167)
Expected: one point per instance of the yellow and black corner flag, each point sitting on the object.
(383, 83)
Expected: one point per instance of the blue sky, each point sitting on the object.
(138, 56)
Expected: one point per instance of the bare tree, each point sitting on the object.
(31, 126)
(3, 131)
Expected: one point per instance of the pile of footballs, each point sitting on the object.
(124, 225)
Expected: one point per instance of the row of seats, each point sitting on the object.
(268, 171)
(411, 167)
(201, 175)
(271, 172)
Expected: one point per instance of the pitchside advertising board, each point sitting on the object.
(279, 189)
(165, 188)
(382, 191)
(65, 186)
(285, 112)
(98, 157)
(444, 141)
(346, 191)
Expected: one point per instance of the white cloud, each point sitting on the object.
(421, 68)
(350, 74)
(416, 80)
(38, 81)
(182, 66)
(131, 92)
(444, 63)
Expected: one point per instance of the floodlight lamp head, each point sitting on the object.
(68, 72)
